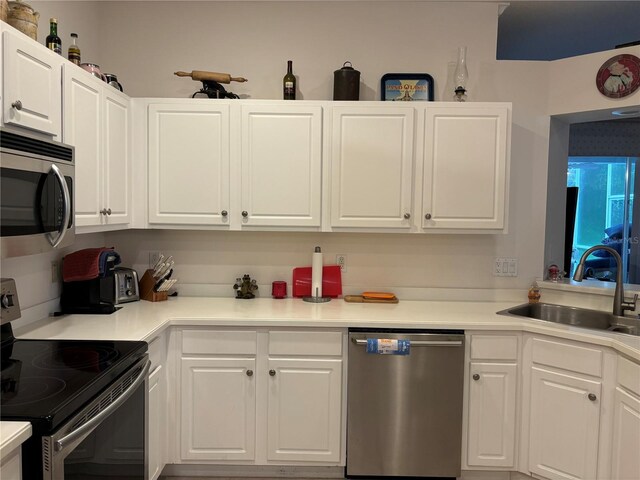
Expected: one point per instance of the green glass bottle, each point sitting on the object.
(289, 83)
(53, 41)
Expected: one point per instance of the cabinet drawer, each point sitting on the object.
(629, 375)
(234, 342)
(494, 347)
(305, 343)
(568, 357)
(156, 352)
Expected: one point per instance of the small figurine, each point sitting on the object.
(245, 287)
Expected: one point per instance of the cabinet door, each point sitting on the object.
(189, 164)
(281, 165)
(117, 170)
(82, 129)
(626, 437)
(465, 167)
(32, 85)
(218, 409)
(157, 420)
(564, 426)
(492, 414)
(304, 406)
(372, 167)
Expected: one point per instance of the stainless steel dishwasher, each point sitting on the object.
(405, 410)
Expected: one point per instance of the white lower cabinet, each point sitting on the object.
(492, 396)
(259, 397)
(304, 403)
(218, 414)
(157, 429)
(625, 460)
(492, 407)
(564, 423)
(567, 400)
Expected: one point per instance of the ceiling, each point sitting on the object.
(549, 30)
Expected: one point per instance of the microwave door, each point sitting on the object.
(56, 199)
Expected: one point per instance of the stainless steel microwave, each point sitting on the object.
(36, 194)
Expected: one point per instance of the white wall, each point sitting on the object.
(145, 42)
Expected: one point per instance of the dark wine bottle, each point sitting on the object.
(289, 83)
(53, 40)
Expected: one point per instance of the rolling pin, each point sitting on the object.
(202, 76)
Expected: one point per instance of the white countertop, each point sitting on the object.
(12, 435)
(144, 320)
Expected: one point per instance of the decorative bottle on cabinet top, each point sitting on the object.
(53, 41)
(289, 83)
(74, 51)
(461, 76)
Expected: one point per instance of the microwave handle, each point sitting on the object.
(66, 198)
(59, 445)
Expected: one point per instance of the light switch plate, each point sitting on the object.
(505, 267)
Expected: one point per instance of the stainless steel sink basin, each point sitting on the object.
(579, 317)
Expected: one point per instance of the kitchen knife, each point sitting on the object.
(158, 262)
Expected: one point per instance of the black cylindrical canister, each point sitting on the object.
(346, 83)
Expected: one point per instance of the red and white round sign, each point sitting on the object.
(619, 76)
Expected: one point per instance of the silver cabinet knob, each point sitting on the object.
(407, 216)
(592, 397)
(427, 216)
(103, 211)
(245, 214)
(476, 376)
(224, 213)
(249, 373)
(272, 373)
(17, 105)
(108, 211)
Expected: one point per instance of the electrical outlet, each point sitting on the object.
(341, 259)
(153, 258)
(54, 271)
(505, 267)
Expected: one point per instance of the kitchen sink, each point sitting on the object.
(579, 317)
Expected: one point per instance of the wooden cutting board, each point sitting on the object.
(362, 299)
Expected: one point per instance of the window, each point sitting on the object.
(604, 213)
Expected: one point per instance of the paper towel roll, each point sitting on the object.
(316, 273)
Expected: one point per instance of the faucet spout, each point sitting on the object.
(619, 304)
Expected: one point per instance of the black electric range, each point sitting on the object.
(86, 402)
(46, 381)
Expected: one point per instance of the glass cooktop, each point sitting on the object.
(45, 381)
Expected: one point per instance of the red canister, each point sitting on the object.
(279, 289)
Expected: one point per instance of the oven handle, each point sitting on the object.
(67, 207)
(95, 421)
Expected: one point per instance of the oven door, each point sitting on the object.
(106, 439)
(36, 205)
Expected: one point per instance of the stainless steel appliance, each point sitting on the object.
(405, 411)
(125, 285)
(36, 194)
(86, 400)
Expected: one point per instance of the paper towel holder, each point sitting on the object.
(316, 263)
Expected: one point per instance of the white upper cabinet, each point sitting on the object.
(372, 167)
(189, 163)
(281, 165)
(32, 84)
(465, 174)
(117, 169)
(96, 123)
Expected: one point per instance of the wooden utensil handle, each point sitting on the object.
(201, 75)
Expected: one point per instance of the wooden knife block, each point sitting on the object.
(146, 285)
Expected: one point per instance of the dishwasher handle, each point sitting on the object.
(419, 343)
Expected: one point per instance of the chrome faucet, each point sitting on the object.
(619, 305)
